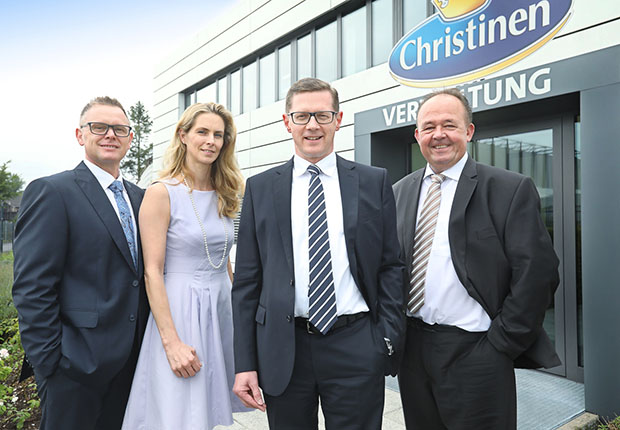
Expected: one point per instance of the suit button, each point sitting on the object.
(132, 317)
(289, 318)
(135, 283)
(292, 282)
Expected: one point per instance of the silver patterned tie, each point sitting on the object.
(422, 243)
(125, 216)
(321, 292)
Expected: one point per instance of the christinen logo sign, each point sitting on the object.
(469, 39)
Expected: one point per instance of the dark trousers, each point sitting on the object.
(345, 370)
(454, 379)
(67, 404)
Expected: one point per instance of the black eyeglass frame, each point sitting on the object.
(313, 114)
(107, 128)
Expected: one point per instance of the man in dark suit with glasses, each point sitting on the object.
(317, 295)
(79, 287)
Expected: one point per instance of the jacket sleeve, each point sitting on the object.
(391, 277)
(40, 246)
(246, 288)
(534, 274)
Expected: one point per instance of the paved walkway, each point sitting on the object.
(544, 402)
(392, 417)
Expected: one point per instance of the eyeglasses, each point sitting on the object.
(321, 117)
(102, 128)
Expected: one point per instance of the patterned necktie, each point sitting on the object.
(125, 215)
(423, 241)
(321, 292)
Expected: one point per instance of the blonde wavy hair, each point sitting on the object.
(226, 177)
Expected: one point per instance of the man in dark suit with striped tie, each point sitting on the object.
(317, 294)
(482, 273)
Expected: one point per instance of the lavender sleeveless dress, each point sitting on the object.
(200, 303)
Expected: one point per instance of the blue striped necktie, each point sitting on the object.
(321, 292)
(125, 215)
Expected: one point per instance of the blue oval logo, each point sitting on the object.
(468, 39)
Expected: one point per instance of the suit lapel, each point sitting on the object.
(349, 193)
(282, 202)
(101, 204)
(411, 214)
(464, 190)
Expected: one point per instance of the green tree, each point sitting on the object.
(140, 154)
(10, 183)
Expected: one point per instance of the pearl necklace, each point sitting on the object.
(204, 233)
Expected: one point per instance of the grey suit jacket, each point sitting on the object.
(81, 301)
(501, 251)
(263, 294)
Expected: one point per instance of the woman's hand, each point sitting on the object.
(182, 359)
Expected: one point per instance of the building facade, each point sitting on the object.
(551, 116)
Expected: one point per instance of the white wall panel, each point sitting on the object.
(263, 141)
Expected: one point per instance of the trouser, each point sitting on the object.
(344, 369)
(454, 379)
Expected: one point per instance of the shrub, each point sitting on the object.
(18, 401)
(610, 425)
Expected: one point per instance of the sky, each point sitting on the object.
(55, 56)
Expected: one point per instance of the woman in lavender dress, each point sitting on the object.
(185, 372)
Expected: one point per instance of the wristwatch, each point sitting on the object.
(388, 344)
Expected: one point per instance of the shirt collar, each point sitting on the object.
(103, 177)
(453, 172)
(327, 165)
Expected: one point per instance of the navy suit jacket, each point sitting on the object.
(263, 294)
(81, 301)
(501, 251)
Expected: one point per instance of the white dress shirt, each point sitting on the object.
(446, 301)
(105, 180)
(349, 300)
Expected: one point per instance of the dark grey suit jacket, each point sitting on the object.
(263, 294)
(501, 251)
(77, 292)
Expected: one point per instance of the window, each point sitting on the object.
(414, 12)
(353, 42)
(235, 92)
(190, 99)
(222, 93)
(304, 57)
(381, 31)
(206, 94)
(325, 54)
(249, 87)
(267, 72)
(284, 71)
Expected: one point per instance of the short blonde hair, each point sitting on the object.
(103, 100)
(226, 177)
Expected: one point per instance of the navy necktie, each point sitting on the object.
(125, 215)
(321, 292)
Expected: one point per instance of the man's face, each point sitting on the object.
(106, 151)
(443, 131)
(313, 141)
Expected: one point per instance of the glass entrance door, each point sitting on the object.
(545, 151)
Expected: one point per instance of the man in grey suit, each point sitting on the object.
(317, 294)
(482, 273)
(78, 285)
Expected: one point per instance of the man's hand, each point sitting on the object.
(247, 389)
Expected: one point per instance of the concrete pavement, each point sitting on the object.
(392, 417)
